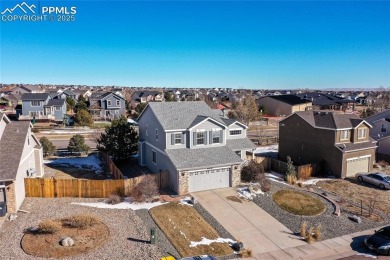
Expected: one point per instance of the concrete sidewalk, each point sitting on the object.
(247, 222)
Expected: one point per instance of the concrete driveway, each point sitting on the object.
(247, 222)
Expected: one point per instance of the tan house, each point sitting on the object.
(339, 144)
(284, 105)
(21, 157)
(381, 133)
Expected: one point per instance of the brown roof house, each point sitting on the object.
(284, 105)
(20, 157)
(339, 144)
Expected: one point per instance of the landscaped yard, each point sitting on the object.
(188, 231)
(298, 203)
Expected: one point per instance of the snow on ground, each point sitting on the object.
(245, 193)
(186, 201)
(313, 181)
(122, 205)
(67, 131)
(92, 162)
(367, 255)
(276, 177)
(206, 241)
(266, 149)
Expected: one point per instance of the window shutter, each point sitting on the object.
(221, 136)
(182, 138)
(172, 139)
(205, 137)
(211, 137)
(194, 139)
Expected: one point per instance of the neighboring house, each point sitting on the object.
(27, 89)
(381, 132)
(198, 148)
(284, 105)
(327, 102)
(65, 94)
(42, 107)
(339, 144)
(106, 105)
(144, 97)
(21, 157)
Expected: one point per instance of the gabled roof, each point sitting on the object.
(69, 92)
(55, 102)
(240, 144)
(11, 147)
(186, 158)
(289, 99)
(35, 96)
(181, 115)
(330, 120)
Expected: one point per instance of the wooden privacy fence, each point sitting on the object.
(57, 188)
(303, 171)
(111, 166)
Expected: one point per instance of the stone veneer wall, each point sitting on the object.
(10, 196)
(236, 175)
(183, 182)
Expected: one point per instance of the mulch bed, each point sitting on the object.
(48, 245)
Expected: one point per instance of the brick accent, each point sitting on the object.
(10, 197)
(183, 183)
(236, 175)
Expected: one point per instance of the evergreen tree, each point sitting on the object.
(77, 144)
(83, 118)
(47, 146)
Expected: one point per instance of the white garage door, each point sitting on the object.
(356, 165)
(209, 179)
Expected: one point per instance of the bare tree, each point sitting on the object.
(246, 110)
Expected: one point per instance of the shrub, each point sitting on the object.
(145, 190)
(265, 185)
(253, 172)
(309, 236)
(291, 179)
(81, 221)
(303, 229)
(49, 227)
(113, 199)
(246, 253)
(317, 232)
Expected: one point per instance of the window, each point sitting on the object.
(35, 103)
(154, 157)
(383, 128)
(34, 113)
(216, 137)
(235, 132)
(58, 108)
(362, 133)
(177, 139)
(117, 102)
(109, 102)
(200, 138)
(344, 135)
(156, 134)
(146, 130)
(116, 111)
(238, 153)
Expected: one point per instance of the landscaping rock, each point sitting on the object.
(237, 246)
(67, 241)
(34, 229)
(355, 218)
(12, 217)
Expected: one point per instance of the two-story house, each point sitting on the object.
(381, 133)
(42, 107)
(106, 105)
(144, 97)
(198, 148)
(21, 157)
(284, 104)
(339, 143)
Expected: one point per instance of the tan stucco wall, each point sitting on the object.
(277, 108)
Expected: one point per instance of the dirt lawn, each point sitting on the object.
(61, 172)
(182, 224)
(353, 190)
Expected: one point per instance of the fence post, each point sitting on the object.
(79, 186)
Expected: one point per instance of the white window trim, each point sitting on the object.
(118, 103)
(156, 134)
(108, 102)
(219, 137)
(365, 133)
(179, 134)
(341, 135)
(39, 103)
(204, 133)
(57, 109)
(235, 130)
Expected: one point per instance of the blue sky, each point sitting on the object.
(254, 44)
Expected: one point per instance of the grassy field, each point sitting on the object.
(298, 203)
(183, 224)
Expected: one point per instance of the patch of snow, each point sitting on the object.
(313, 181)
(64, 131)
(92, 162)
(266, 149)
(122, 205)
(182, 233)
(276, 177)
(186, 201)
(245, 193)
(206, 241)
(367, 255)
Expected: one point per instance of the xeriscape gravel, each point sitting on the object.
(332, 226)
(129, 238)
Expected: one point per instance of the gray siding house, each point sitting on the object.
(106, 105)
(42, 107)
(198, 148)
(21, 157)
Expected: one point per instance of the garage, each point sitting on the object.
(358, 164)
(209, 179)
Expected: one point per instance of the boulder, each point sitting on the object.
(67, 241)
(237, 246)
(355, 219)
(12, 217)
